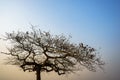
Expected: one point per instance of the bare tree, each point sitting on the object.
(40, 51)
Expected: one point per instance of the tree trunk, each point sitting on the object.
(38, 76)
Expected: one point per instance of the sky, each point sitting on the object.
(93, 22)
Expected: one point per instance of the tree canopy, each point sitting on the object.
(39, 51)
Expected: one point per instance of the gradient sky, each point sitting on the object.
(93, 22)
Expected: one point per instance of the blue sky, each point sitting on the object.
(93, 22)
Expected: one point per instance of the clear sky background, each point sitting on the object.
(93, 22)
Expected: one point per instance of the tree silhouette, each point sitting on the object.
(40, 51)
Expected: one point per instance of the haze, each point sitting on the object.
(93, 22)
